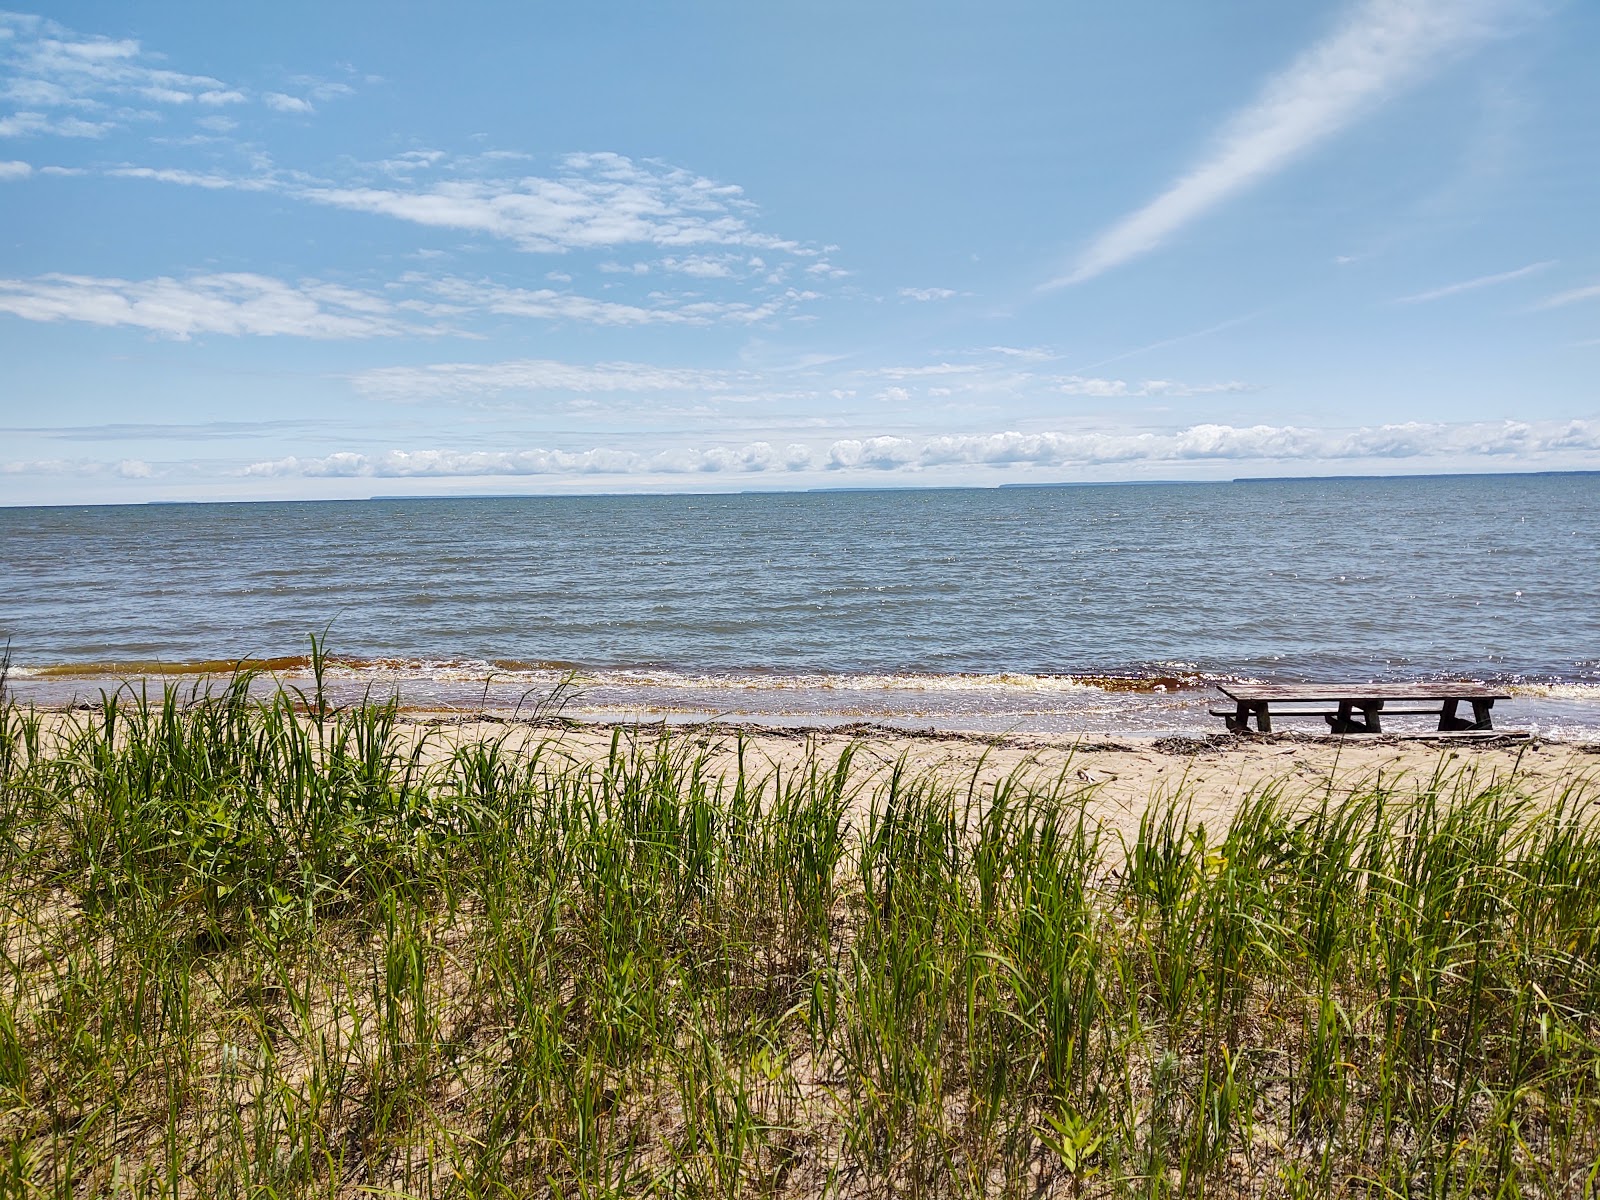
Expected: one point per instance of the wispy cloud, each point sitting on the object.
(124, 431)
(1472, 285)
(1381, 47)
(464, 296)
(1572, 296)
(601, 203)
(63, 83)
(926, 294)
(233, 304)
(531, 375)
(595, 201)
(15, 170)
(1078, 385)
(31, 124)
(48, 66)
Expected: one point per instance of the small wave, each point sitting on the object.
(545, 672)
(135, 669)
(1589, 692)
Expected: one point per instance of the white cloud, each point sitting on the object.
(127, 468)
(411, 162)
(15, 170)
(1077, 385)
(703, 266)
(927, 370)
(234, 304)
(199, 179)
(279, 102)
(1381, 47)
(1472, 285)
(1571, 297)
(412, 464)
(30, 124)
(1490, 445)
(1226, 443)
(322, 89)
(49, 67)
(915, 293)
(548, 304)
(463, 380)
(1025, 353)
(596, 201)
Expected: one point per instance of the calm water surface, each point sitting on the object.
(970, 608)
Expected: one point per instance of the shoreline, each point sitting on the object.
(999, 703)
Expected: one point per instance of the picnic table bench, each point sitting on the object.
(1359, 707)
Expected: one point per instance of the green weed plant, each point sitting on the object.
(257, 945)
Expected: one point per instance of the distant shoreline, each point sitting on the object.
(882, 489)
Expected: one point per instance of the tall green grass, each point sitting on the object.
(259, 946)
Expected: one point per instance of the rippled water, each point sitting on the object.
(966, 607)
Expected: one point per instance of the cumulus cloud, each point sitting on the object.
(234, 303)
(125, 468)
(279, 102)
(1227, 443)
(889, 453)
(1381, 47)
(15, 170)
(413, 464)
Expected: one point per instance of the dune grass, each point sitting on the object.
(259, 947)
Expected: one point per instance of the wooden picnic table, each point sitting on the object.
(1360, 707)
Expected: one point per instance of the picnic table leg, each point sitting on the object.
(1371, 711)
(1340, 722)
(1263, 717)
(1448, 720)
(1240, 721)
(1447, 715)
(1480, 714)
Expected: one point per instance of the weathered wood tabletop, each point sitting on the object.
(1255, 701)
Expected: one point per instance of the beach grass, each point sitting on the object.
(258, 946)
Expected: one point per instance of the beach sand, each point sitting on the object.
(1118, 778)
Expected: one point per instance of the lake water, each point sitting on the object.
(1098, 607)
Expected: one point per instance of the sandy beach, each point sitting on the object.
(1116, 777)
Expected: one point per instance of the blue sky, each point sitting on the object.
(372, 249)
